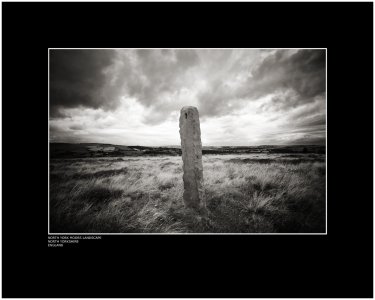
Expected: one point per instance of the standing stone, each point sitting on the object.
(191, 147)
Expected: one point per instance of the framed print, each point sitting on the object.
(187, 149)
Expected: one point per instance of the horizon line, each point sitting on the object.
(169, 145)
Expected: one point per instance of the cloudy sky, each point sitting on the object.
(134, 96)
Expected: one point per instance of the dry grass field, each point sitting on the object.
(252, 193)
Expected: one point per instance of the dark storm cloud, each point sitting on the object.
(303, 72)
(77, 78)
(125, 90)
(293, 79)
(76, 127)
(98, 78)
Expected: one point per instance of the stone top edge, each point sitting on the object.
(188, 108)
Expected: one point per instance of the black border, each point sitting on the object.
(339, 264)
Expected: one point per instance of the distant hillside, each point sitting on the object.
(66, 150)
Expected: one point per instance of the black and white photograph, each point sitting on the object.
(191, 140)
(187, 149)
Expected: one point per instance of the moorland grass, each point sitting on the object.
(243, 194)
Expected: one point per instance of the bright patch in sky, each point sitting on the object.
(133, 97)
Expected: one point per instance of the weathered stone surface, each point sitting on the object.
(191, 147)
